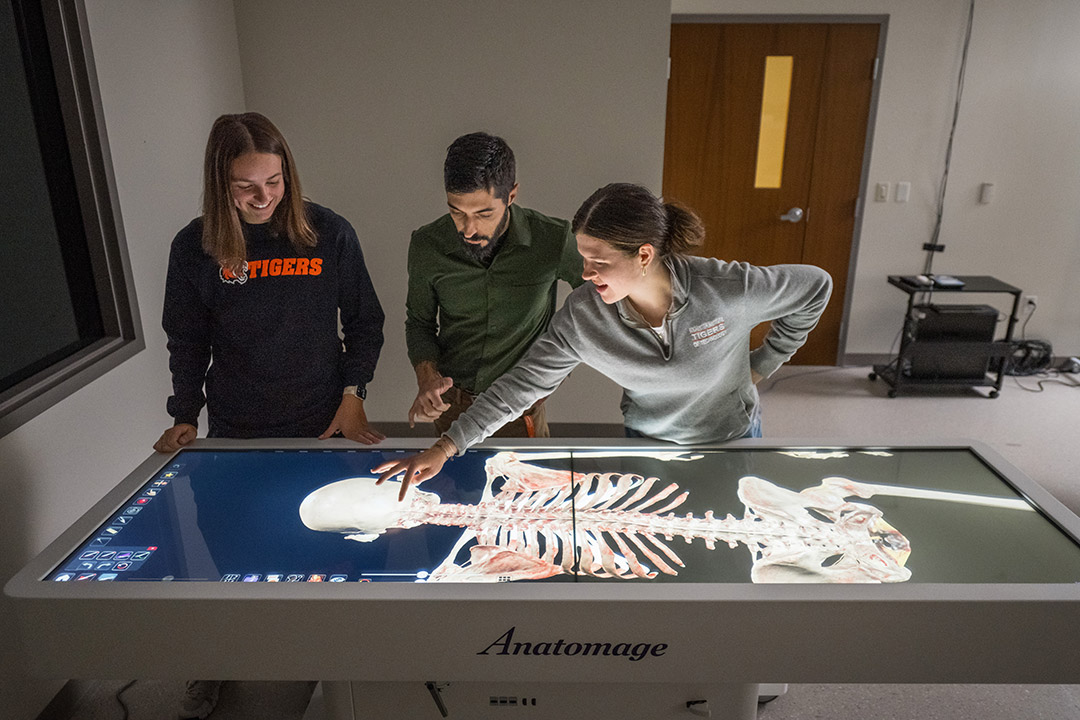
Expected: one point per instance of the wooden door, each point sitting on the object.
(764, 119)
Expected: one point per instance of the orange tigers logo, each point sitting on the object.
(228, 276)
(272, 268)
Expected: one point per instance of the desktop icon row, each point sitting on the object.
(104, 564)
(282, 577)
(84, 577)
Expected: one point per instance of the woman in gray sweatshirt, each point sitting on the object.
(672, 329)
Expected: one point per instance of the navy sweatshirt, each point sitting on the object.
(265, 343)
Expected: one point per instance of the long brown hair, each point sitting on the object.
(230, 137)
(627, 216)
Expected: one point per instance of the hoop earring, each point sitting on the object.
(644, 269)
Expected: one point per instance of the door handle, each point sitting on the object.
(793, 215)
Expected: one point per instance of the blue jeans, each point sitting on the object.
(754, 430)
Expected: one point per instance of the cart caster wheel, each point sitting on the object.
(892, 393)
(872, 376)
(994, 393)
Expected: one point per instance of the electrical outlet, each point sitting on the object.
(1029, 302)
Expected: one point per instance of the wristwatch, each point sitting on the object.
(359, 391)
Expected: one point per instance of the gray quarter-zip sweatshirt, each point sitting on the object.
(696, 387)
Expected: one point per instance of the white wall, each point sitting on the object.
(1021, 105)
(165, 70)
(369, 96)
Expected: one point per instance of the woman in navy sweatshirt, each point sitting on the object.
(252, 300)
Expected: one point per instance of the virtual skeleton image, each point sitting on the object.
(534, 522)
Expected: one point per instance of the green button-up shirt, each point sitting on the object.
(476, 322)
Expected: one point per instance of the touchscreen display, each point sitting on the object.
(596, 515)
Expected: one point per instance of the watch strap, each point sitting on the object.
(359, 391)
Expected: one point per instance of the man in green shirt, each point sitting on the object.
(482, 282)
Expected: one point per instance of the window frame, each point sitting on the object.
(89, 180)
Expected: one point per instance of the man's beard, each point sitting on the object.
(485, 253)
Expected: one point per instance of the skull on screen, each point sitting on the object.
(362, 510)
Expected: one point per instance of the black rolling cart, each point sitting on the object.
(949, 343)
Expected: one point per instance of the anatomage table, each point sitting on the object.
(618, 579)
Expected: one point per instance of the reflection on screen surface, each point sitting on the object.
(599, 515)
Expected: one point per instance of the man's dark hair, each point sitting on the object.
(479, 161)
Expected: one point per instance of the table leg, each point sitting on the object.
(332, 700)
(737, 702)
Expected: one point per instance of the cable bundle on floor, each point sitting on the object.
(1029, 357)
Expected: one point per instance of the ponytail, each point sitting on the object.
(685, 231)
(627, 216)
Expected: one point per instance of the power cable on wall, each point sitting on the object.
(1029, 357)
(933, 247)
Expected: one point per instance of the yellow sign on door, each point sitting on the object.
(775, 98)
